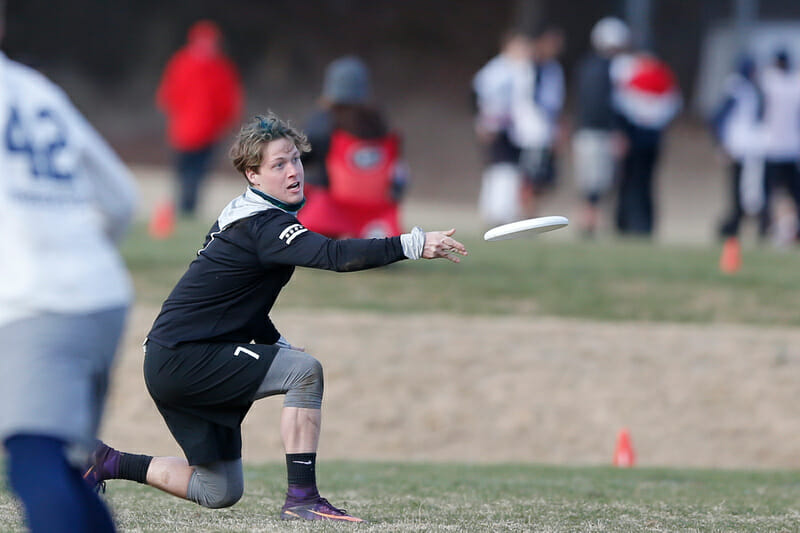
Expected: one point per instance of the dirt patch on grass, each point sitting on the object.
(545, 390)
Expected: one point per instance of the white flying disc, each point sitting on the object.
(520, 227)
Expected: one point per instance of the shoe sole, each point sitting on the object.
(291, 515)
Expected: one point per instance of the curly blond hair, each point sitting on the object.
(247, 152)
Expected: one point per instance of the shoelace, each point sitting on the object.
(321, 500)
(326, 502)
(338, 510)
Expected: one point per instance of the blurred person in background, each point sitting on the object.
(737, 126)
(213, 349)
(65, 202)
(519, 95)
(781, 86)
(495, 88)
(536, 117)
(598, 142)
(201, 95)
(357, 175)
(647, 98)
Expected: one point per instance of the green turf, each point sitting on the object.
(606, 280)
(452, 497)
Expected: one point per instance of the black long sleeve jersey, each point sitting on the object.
(229, 289)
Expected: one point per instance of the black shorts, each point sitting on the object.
(538, 167)
(203, 391)
(502, 150)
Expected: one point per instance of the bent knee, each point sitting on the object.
(305, 385)
(313, 375)
(220, 485)
(220, 501)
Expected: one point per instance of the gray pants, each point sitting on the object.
(54, 371)
(293, 373)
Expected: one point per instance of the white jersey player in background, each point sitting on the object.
(65, 200)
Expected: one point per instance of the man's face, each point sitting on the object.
(518, 48)
(281, 172)
(549, 45)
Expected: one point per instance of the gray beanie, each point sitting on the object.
(346, 81)
(610, 33)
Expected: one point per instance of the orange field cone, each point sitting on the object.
(162, 222)
(731, 259)
(623, 455)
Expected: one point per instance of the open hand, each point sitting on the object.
(441, 244)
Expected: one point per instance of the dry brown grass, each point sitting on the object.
(512, 389)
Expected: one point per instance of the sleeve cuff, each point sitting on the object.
(413, 243)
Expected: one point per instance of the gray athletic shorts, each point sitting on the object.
(594, 161)
(54, 371)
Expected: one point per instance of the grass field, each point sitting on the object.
(473, 498)
(607, 280)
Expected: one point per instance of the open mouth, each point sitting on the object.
(294, 186)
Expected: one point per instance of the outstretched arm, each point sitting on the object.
(283, 240)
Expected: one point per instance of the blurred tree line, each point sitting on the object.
(111, 40)
(111, 52)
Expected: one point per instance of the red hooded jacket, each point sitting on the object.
(200, 91)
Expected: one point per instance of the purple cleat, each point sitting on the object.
(103, 464)
(319, 509)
